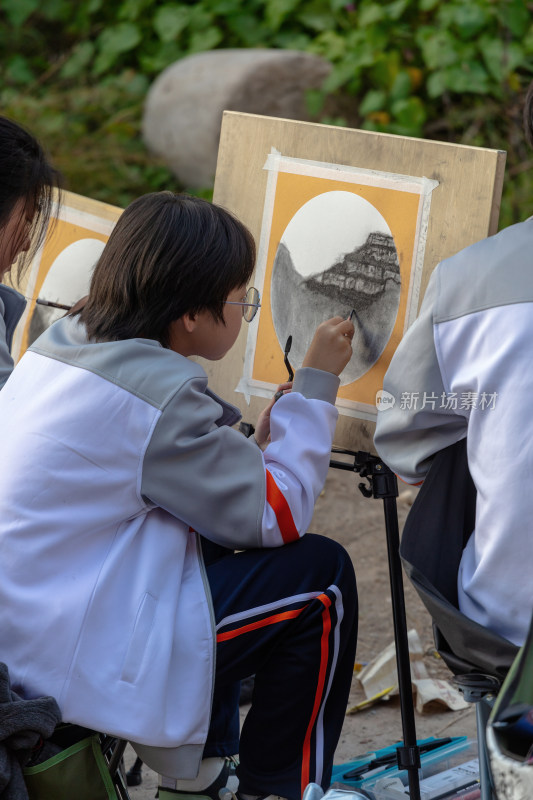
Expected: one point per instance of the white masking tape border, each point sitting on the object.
(276, 163)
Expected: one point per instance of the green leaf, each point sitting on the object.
(437, 84)
(364, 55)
(470, 18)
(469, 77)
(439, 48)
(154, 63)
(396, 10)
(132, 9)
(170, 21)
(340, 74)
(367, 40)
(277, 10)
(103, 62)
(410, 113)
(527, 41)
(225, 8)
(466, 78)
(18, 70)
(316, 20)
(445, 16)
(514, 15)
(80, 58)
(402, 86)
(248, 30)
(57, 10)
(339, 5)
(292, 41)
(374, 100)
(384, 70)
(369, 14)
(330, 45)
(370, 125)
(205, 40)
(135, 84)
(200, 17)
(114, 41)
(501, 58)
(119, 38)
(427, 5)
(18, 11)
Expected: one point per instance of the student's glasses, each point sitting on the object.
(250, 304)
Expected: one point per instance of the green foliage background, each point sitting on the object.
(76, 73)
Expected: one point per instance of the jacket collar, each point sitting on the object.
(14, 305)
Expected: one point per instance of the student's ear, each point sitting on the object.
(180, 338)
(188, 321)
(180, 329)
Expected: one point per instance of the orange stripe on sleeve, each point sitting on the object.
(261, 623)
(324, 654)
(409, 482)
(281, 509)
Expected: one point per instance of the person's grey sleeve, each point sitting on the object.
(210, 477)
(415, 424)
(6, 362)
(316, 384)
(214, 479)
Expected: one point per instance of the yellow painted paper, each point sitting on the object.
(400, 210)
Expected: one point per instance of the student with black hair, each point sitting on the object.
(106, 602)
(27, 184)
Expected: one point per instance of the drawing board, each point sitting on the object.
(343, 219)
(62, 268)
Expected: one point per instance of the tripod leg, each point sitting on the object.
(485, 778)
(384, 486)
(409, 756)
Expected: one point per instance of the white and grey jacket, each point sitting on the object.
(12, 305)
(113, 455)
(465, 368)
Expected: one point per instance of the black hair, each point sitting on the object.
(168, 254)
(26, 174)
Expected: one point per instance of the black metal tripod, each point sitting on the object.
(383, 485)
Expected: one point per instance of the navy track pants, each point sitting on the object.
(287, 615)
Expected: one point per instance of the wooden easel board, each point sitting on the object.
(342, 219)
(61, 270)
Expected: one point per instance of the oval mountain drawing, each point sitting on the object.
(336, 254)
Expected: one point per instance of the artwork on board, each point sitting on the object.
(336, 239)
(61, 271)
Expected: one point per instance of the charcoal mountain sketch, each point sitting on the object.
(365, 278)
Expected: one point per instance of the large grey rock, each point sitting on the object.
(183, 109)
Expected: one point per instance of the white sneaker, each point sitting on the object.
(215, 775)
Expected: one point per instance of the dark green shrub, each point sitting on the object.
(77, 73)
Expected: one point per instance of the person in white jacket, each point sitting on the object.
(27, 185)
(118, 462)
(463, 370)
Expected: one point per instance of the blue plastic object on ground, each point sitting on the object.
(370, 765)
